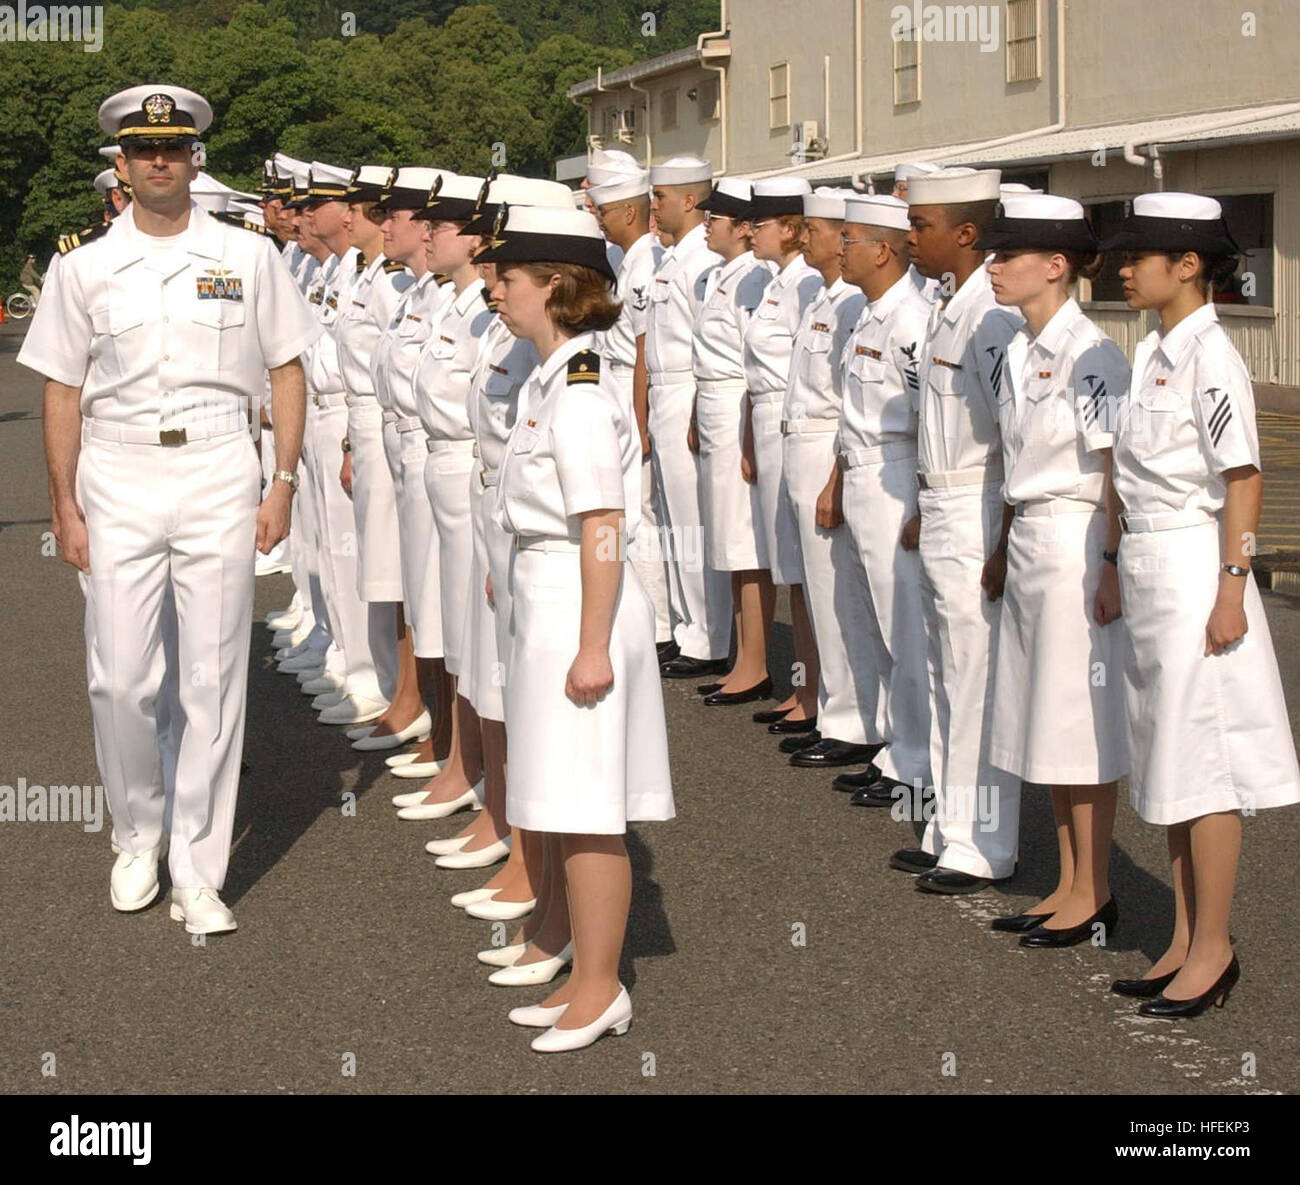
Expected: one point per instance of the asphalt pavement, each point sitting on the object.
(770, 948)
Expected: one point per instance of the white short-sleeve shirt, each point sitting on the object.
(815, 389)
(732, 293)
(398, 350)
(635, 278)
(1189, 416)
(504, 363)
(368, 311)
(573, 449)
(168, 333)
(769, 336)
(1057, 407)
(676, 292)
(446, 361)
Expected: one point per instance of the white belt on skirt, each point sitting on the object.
(390, 416)
(452, 446)
(1055, 506)
(407, 423)
(487, 477)
(809, 425)
(672, 378)
(719, 386)
(766, 398)
(546, 543)
(360, 400)
(328, 398)
(166, 437)
(1166, 522)
(891, 450)
(981, 475)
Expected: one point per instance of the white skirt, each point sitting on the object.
(777, 526)
(446, 480)
(582, 770)
(480, 671)
(1206, 734)
(1058, 699)
(374, 504)
(419, 540)
(730, 506)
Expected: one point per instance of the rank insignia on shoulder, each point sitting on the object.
(361, 262)
(393, 265)
(584, 367)
(68, 242)
(487, 300)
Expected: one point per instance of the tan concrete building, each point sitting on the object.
(1094, 99)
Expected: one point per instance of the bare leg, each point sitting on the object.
(599, 876)
(1178, 837)
(465, 762)
(1215, 842)
(548, 929)
(407, 704)
(1065, 848)
(1092, 819)
(492, 826)
(807, 665)
(750, 667)
(431, 673)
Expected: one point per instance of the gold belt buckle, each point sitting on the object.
(171, 437)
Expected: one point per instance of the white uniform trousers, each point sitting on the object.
(348, 616)
(646, 551)
(699, 598)
(878, 498)
(835, 585)
(188, 515)
(305, 518)
(447, 473)
(419, 540)
(975, 826)
(733, 541)
(780, 535)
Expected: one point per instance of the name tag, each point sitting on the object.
(867, 351)
(945, 362)
(492, 366)
(451, 341)
(1044, 374)
(219, 286)
(1161, 382)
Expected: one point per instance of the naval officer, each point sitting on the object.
(154, 337)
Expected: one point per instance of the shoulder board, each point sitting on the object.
(584, 367)
(393, 265)
(487, 300)
(238, 221)
(361, 262)
(68, 242)
(439, 279)
(254, 227)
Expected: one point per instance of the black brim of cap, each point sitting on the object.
(519, 247)
(482, 222)
(774, 205)
(1144, 233)
(725, 203)
(402, 199)
(364, 193)
(448, 209)
(1039, 234)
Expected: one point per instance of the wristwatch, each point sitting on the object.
(1235, 570)
(346, 445)
(1111, 557)
(289, 479)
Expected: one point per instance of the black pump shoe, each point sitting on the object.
(748, 696)
(802, 741)
(792, 727)
(708, 688)
(772, 716)
(1042, 938)
(1018, 923)
(683, 667)
(1217, 995)
(1143, 989)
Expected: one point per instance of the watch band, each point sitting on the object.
(346, 445)
(1111, 557)
(289, 479)
(1235, 570)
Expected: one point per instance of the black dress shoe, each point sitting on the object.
(857, 781)
(831, 754)
(950, 881)
(795, 743)
(1040, 937)
(912, 860)
(748, 696)
(667, 650)
(882, 792)
(1018, 923)
(790, 727)
(708, 688)
(682, 667)
(1217, 995)
(772, 716)
(1143, 989)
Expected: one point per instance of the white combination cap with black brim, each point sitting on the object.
(327, 183)
(1040, 222)
(155, 114)
(774, 196)
(1174, 222)
(513, 190)
(367, 183)
(547, 234)
(408, 188)
(453, 197)
(730, 197)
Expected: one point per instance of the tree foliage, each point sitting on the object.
(385, 82)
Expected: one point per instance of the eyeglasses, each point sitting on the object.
(762, 222)
(378, 215)
(845, 241)
(711, 217)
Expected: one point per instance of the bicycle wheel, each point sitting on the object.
(19, 305)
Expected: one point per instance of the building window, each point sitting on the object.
(907, 65)
(1023, 64)
(1249, 217)
(706, 97)
(668, 109)
(778, 95)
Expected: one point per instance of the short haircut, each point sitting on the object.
(700, 189)
(583, 300)
(978, 214)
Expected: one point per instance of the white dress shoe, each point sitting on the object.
(440, 810)
(354, 709)
(445, 847)
(542, 971)
(494, 853)
(534, 1016)
(355, 734)
(134, 880)
(266, 566)
(395, 759)
(202, 911)
(321, 684)
(469, 896)
(295, 650)
(417, 730)
(308, 660)
(616, 1019)
(501, 911)
(327, 699)
(502, 956)
(410, 798)
(418, 769)
(288, 617)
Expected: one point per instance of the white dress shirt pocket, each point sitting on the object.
(216, 335)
